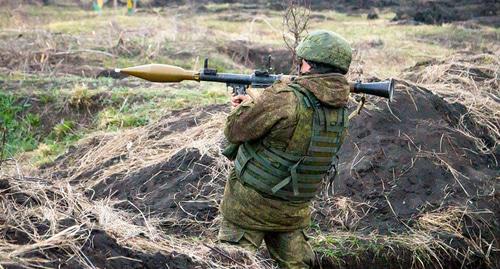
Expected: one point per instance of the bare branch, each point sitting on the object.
(295, 24)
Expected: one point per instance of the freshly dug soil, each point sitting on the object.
(102, 247)
(181, 188)
(168, 188)
(103, 251)
(405, 159)
(402, 160)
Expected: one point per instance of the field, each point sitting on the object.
(98, 170)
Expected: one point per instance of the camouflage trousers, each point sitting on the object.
(289, 249)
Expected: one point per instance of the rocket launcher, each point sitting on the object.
(239, 82)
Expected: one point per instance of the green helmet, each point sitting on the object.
(326, 47)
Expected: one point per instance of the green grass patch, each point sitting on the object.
(155, 103)
(350, 247)
(63, 129)
(22, 127)
(112, 118)
(17, 126)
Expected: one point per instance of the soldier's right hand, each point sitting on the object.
(238, 99)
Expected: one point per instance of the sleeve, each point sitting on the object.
(254, 118)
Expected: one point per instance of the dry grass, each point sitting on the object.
(138, 149)
(474, 82)
(32, 202)
(436, 241)
(39, 218)
(37, 207)
(34, 207)
(341, 211)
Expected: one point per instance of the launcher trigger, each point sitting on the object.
(238, 89)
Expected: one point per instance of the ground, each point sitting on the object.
(104, 171)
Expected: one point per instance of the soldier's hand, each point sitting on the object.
(238, 99)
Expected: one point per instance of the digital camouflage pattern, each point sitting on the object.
(290, 249)
(273, 112)
(273, 115)
(251, 210)
(250, 216)
(286, 172)
(326, 47)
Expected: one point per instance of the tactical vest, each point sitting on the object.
(291, 176)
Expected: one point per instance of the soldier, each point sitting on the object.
(288, 136)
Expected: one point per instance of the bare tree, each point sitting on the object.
(295, 24)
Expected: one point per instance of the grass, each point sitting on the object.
(86, 107)
(23, 129)
(107, 107)
(48, 150)
(165, 34)
(18, 125)
(162, 35)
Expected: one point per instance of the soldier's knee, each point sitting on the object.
(232, 234)
(242, 243)
(291, 250)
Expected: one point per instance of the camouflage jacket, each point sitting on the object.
(271, 115)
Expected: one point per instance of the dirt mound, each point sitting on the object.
(181, 184)
(405, 159)
(101, 247)
(52, 224)
(401, 164)
(470, 80)
(427, 150)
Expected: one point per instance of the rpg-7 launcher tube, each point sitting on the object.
(382, 89)
(170, 73)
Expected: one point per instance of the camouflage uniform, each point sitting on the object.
(287, 137)
(250, 216)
